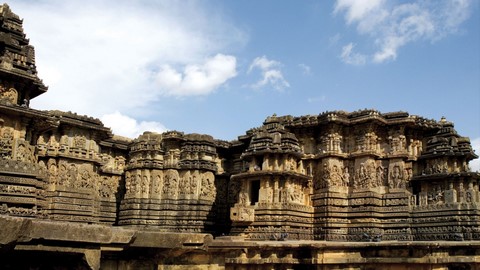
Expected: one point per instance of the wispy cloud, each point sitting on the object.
(359, 11)
(350, 57)
(333, 40)
(394, 26)
(306, 70)
(270, 72)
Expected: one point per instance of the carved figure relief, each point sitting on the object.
(6, 143)
(366, 175)
(331, 142)
(52, 171)
(85, 180)
(108, 186)
(10, 95)
(436, 166)
(129, 186)
(436, 196)
(397, 141)
(170, 182)
(207, 189)
(63, 177)
(145, 184)
(72, 174)
(137, 183)
(242, 198)
(184, 183)
(42, 168)
(396, 179)
(194, 182)
(62, 146)
(294, 193)
(380, 175)
(157, 181)
(79, 142)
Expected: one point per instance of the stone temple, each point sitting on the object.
(338, 190)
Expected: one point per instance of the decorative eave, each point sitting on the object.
(446, 176)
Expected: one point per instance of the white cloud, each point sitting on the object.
(357, 10)
(271, 73)
(350, 57)
(394, 26)
(333, 40)
(126, 126)
(475, 164)
(99, 56)
(197, 79)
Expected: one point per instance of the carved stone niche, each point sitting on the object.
(242, 214)
(331, 173)
(365, 174)
(397, 175)
(9, 95)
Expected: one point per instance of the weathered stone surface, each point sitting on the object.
(338, 190)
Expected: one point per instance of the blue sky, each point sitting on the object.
(222, 67)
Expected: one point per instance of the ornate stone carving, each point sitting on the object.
(10, 95)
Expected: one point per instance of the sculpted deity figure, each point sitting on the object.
(242, 198)
(207, 189)
(346, 177)
(52, 171)
(336, 177)
(145, 184)
(138, 182)
(170, 183)
(42, 167)
(72, 174)
(183, 183)
(128, 183)
(193, 184)
(380, 175)
(396, 177)
(21, 152)
(157, 184)
(326, 176)
(79, 142)
(85, 179)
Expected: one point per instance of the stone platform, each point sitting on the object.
(34, 244)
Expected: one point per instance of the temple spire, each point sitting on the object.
(18, 74)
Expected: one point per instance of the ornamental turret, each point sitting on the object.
(19, 81)
(274, 184)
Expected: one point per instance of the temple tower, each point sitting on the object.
(170, 182)
(274, 199)
(22, 181)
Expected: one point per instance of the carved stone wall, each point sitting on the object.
(363, 176)
(371, 175)
(170, 182)
(273, 200)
